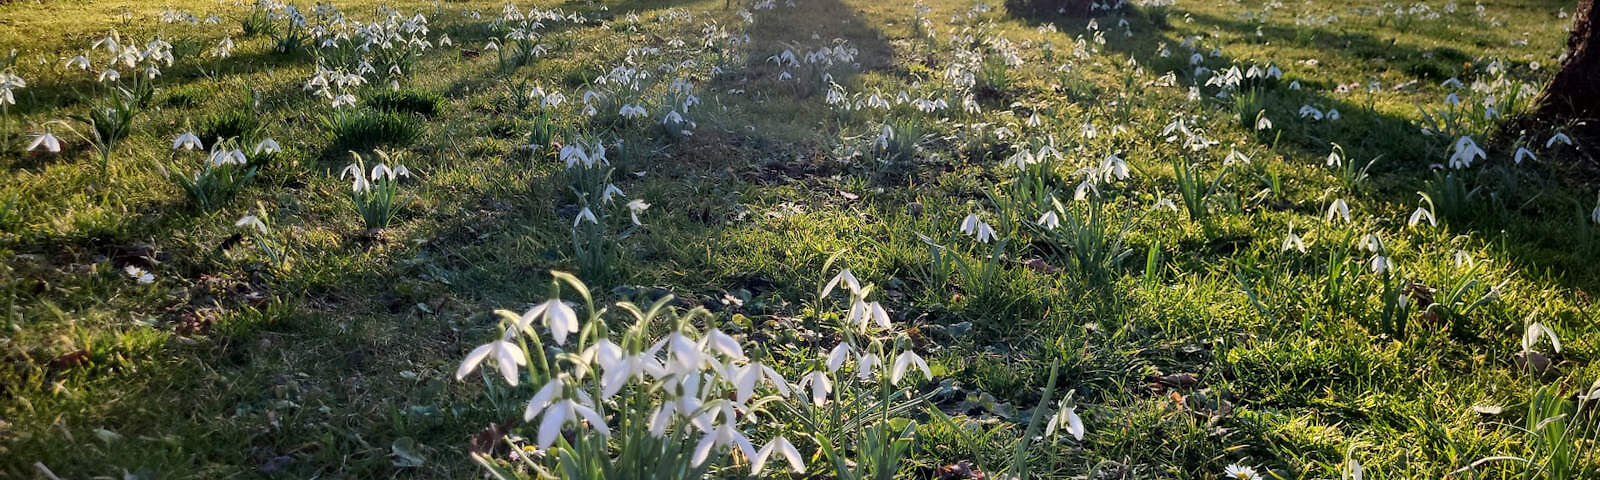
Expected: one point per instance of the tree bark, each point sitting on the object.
(1574, 93)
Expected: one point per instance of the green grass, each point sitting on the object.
(1189, 342)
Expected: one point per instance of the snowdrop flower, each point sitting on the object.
(46, 141)
(1353, 470)
(1596, 214)
(611, 191)
(1307, 111)
(1165, 204)
(585, 214)
(1558, 137)
(343, 100)
(837, 356)
(187, 141)
(563, 412)
(358, 181)
(110, 74)
(1537, 331)
(1113, 167)
(636, 207)
(847, 278)
(977, 228)
(862, 311)
(79, 61)
(722, 343)
(1049, 220)
(903, 362)
(1262, 122)
(226, 157)
(1452, 100)
(559, 318)
(1380, 264)
(250, 221)
(139, 275)
(269, 146)
(781, 446)
(1338, 209)
(507, 356)
(1451, 82)
(1465, 152)
(1294, 85)
(1067, 418)
(746, 377)
(820, 386)
(1293, 241)
(1333, 114)
(1422, 214)
(8, 83)
(1240, 472)
(722, 436)
(866, 365)
(1524, 153)
(1235, 157)
(632, 111)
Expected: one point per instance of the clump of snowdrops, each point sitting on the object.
(634, 391)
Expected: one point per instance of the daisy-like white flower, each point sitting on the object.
(507, 356)
(46, 141)
(1240, 472)
(139, 275)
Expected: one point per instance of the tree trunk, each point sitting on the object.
(1574, 93)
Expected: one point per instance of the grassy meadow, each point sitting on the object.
(841, 239)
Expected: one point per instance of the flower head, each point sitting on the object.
(46, 141)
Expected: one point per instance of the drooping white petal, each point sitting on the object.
(837, 357)
(903, 362)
